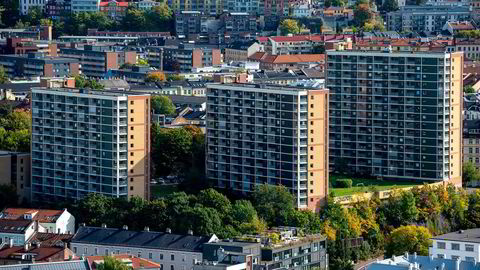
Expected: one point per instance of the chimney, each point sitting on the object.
(82, 224)
(37, 244)
(168, 230)
(431, 257)
(147, 229)
(125, 227)
(410, 266)
(10, 243)
(190, 232)
(26, 246)
(104, 225)
(415, 255)
(406, 255)
(442, 267)
(457, 264)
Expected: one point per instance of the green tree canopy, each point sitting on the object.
(162, 105)
(3, 75)
(170, 148)
(273, 203)
(290, 26)
(470, 173)
(390, 5)
(468, 89)
(16, 120)
(111, 263)
(409, 239)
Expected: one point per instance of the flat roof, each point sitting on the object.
(432, 54)
(90, 92)
(472, 236)
(259, 86)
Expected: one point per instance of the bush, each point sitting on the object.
(344, 183)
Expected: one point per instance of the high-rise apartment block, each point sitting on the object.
(89, 142)
(269, 134)
(396, 115)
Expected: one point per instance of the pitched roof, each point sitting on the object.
(67, 265)
(472, 235)
(42, 215)
(143, 239)
(136, 263)
(293, 58)
(461, 25)
(41, 253)
(14, 226)
(51, 239)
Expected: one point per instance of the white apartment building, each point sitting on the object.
(146, 4)
(25, 5)
(463, 244)
(85, 5)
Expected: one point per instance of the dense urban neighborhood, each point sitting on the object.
(240, 134)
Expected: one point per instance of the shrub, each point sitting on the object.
(344, 183)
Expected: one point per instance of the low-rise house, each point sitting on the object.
(415, 262)
(33, 253)
(146, 4)
(171, 251)
(114, 9)
(297, 61)
(240, 51)
(463, 245)
(17, 232)
(131, 261)
(454, 27)
(54, 221)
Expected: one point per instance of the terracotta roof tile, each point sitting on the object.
(42, 253)
(42, 215)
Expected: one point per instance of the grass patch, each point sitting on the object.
(160, 191)
(361, 185)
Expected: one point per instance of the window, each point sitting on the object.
(139, 254)
(131, 119)
(441, 256)
(74, 249)
(455, 247)
(131, 154)
(85, 251)
(96, 251)
(131, 111)
(131, 179)
(131, 171)
(131, 136)
(172, 267)
(131, 162)
(172, 257)
(454, 257)
(468, 247)
(184, 257)
(131, 188)
(131, 102)
(469, 259)
(131, 145)
(131, 128)
(161, 256)
(441, 245)
(150, 255)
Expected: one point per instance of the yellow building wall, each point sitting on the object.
(139, 146)
(317, 148)
(456, 101)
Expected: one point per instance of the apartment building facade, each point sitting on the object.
(186, 57)
(396, 115)
(463, 245)
(269, 134)
(15, 171)
(39, 65)
(96, 60)
(425, 18)
(89, 142)
(85, 5)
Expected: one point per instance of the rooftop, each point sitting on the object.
(143, 239)
(41, 215)
(252, 86)
(89, 92)
(14, 226)
(421, 263)
(51, 239)
(67, 265)
(40, 253)
(134, 262)
(472, 235)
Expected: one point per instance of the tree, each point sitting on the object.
(201, 220)
(398, 209)
(175, 77)
(335, 3)
(46, 22)
(289, 26)
(473, 211)
(409, 239)
(3, 75)
(362, 14)
(142, 62)
(21, 25)
(468, 89)
(162, 105)
(111, 263)
(214, 199)
(134, 19)
(273, 203)
(170, 148)
(82, 82)
(16, 121)
(34, 15)
(470, 173)
(163, 12)
(390, 5)
(156, 76)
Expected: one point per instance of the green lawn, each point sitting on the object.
(361, 185)
(160, 191)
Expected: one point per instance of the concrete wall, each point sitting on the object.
(448, 252)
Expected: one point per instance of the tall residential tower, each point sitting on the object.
(396, 115)
(89, 142)
(269, 134)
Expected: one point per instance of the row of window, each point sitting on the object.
(455, 246)
(454, 257)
